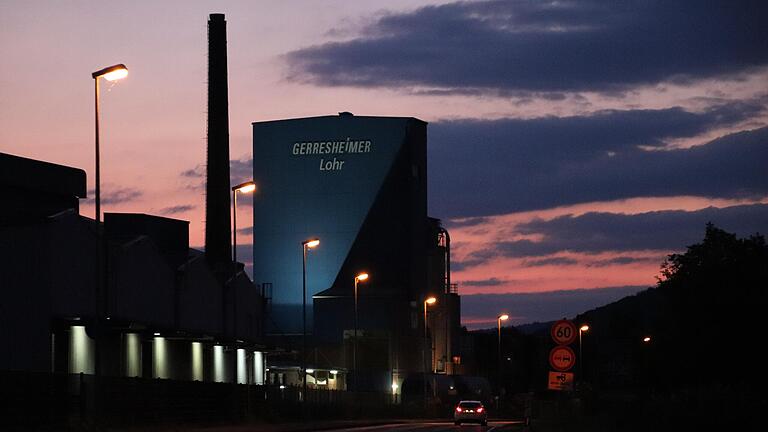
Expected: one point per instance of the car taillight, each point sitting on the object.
(458, 409)
(480, 409)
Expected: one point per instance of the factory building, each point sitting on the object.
(359, 185)
(159, 313)
(128, 297)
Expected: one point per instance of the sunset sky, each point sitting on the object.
(572, 144)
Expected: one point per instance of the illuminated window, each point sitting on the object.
(197, 361)
(81, 351)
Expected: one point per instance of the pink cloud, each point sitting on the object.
(565, 269)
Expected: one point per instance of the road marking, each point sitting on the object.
(502, 424)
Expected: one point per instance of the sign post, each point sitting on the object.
(561, 357)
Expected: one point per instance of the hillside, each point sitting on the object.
(702, 319)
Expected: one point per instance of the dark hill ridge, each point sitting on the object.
(700, 369)
(535, 328)
(626, 304)
(702, 317)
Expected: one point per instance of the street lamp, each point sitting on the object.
(583, 329)
(111, 73)
(358, 278)
(428, 301)
(499, 319)
(246, 187)
(305, 246)
(647, 339)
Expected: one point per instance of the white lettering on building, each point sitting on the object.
(325, 148)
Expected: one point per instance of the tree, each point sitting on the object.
(716, 293)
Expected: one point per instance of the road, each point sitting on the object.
(493, 426)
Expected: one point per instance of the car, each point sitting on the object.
(470, 411)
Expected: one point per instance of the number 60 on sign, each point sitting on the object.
(563, 332)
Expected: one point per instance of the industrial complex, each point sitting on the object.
(351, 281)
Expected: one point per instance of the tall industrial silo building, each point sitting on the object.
(359, 185)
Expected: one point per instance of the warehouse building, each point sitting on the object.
(161, 312)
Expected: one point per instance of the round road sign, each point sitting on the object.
(562, 358)
(563, 332)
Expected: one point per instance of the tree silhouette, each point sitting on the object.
(717, 291)
(703, 367)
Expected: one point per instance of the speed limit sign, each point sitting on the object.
(563, 332)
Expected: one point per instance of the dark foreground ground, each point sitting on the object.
(404, 425)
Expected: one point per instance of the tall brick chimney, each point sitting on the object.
(218, 249)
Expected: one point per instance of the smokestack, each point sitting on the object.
(218, 250)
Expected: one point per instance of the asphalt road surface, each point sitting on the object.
(493, 426)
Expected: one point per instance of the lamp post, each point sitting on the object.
(427, 301)
(111, 73)
(582, 329)
(305, 246)
(499, 319)
(246, 187)
(358, 278)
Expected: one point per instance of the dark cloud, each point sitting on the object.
(111, 196)
(622, 260)
(194, 178)
(513, 165)
(593, 233)
(544, 306)
(458, 266)
(468, 222)
(245, 231)
(556, 261)
(176, 209)
(475, 258)
(483, 283)
(535, 46)
(240, 170)
(659, 230)
(194, 173)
